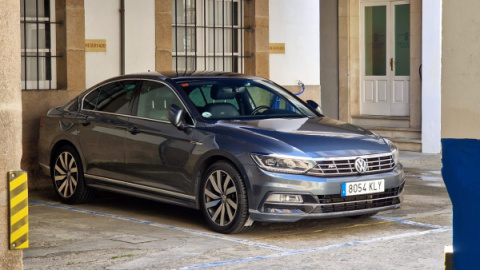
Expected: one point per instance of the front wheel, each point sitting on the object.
(67, 177)
(224, 199)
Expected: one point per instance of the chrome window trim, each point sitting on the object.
(134, 116)
(101, 112)
(137, 186)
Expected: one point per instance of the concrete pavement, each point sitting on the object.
(119, 232)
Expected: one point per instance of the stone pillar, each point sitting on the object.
(10, 120)
(163, 35)
(344, 60)
(70, 44)
(415, 63)
(257, 38)
(329, 57)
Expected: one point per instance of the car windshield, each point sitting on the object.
(243, 99)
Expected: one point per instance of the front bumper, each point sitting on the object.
(321, 196)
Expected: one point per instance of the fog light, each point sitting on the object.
(285, 198)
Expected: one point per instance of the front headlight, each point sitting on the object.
(284, 164)
(394, 150)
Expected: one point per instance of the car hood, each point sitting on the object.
(318, 137)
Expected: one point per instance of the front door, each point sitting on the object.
(385, 58)
(156, 152)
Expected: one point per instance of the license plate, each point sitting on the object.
(364, 187)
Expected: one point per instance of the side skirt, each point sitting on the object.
(145, 192)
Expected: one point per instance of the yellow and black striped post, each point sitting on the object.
(18, 209)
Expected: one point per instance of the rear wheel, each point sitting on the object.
(67, 177)
(224, 199)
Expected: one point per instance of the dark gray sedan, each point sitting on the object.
(240, 148)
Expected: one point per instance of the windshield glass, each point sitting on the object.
(243, 98)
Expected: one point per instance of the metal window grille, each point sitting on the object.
(38, 35)
(207, 35)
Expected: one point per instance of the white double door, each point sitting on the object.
(385, 57)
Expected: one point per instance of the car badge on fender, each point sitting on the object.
(361, 165)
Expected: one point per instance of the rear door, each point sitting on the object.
(156, 152)
(104, 120)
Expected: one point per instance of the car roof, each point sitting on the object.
(181, 76)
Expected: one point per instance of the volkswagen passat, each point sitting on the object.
(239, 148)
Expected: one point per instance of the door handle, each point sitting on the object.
(391, 63)
(133, 130)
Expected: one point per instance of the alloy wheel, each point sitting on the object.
(66, 174)
(221, 198)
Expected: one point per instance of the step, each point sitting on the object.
(381, 121)
(396, 132)
(405, 144)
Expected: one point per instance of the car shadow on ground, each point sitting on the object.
(192, 219)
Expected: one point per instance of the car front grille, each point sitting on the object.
(337, 203)
(343, 166)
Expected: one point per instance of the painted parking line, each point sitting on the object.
(163, 226)
(330, 247)
(413, 223)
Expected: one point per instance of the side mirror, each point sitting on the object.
(315, 106)
(175, 115)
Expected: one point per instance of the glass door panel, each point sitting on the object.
(375, 41)
(402, 40)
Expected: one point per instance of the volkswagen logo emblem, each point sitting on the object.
(361, 165)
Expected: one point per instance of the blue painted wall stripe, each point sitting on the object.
(461, 173)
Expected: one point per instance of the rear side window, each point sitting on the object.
(113, 97)
(90, 101)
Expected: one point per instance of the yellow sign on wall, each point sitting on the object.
(95, 45)
(277, 48)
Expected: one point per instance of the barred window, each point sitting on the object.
(38, 44)
(207, 35)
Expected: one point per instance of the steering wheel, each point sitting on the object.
(255, 111)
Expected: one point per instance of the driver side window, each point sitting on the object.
(154, 100)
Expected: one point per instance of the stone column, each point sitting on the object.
(10, 120)
(257, 38)
(415, 63)
(70, 44)
(163, 35)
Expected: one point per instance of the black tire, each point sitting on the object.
(67, 176)
(225, 208)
